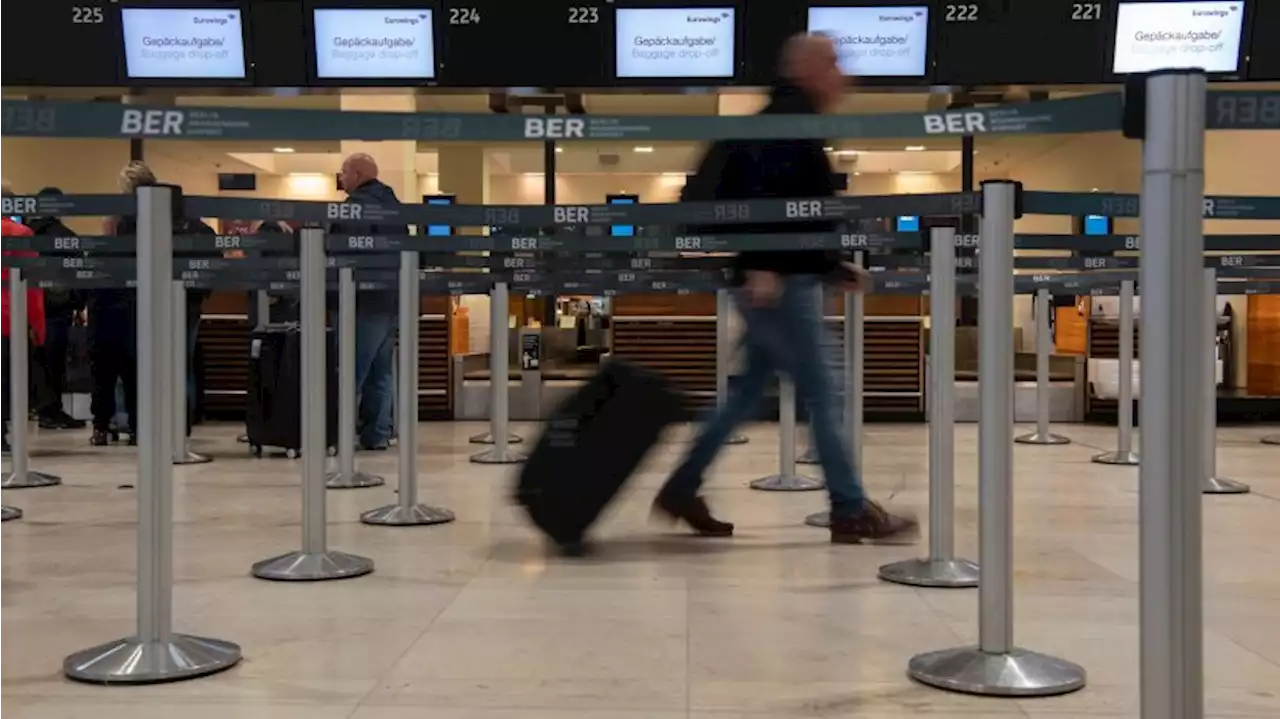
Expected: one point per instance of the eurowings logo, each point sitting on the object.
(714, 19)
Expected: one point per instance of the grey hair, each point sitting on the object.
(134, 175)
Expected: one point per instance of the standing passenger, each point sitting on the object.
(35, 316)
(375, 311)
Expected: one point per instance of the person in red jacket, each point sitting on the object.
(35, 315)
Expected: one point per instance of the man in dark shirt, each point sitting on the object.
(776, 294)
(60, 307)
(376, 312)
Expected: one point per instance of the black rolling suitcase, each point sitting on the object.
(593, 442)
(273, 410)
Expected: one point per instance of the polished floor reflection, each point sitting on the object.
(471, 620)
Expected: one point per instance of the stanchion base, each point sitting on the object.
(193, 458)
(487, 438)
(737, 439)
(499, 456)
(809, 456)
(1129, 459)
(1220, 485)
(787, 483)
(31, 480)
(357, 480)
(302, 566)
(10, 513)
(413, 516)
(1037, 438)
(129, 661)
(819, 519)
(242, 439)
(942, 573)
(1019, 673)
(1271, 440)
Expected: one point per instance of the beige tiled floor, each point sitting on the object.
(472, 621)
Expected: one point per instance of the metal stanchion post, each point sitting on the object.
(1124, 453)
(1171, 583)
(181, 451)
(941, 568)
(787, 480)
(315, 561)
(810, 455)
(347, 476)
(407, 512)
(1213, 484)
(155, 653)
(20, 475)
(497, 325)
(263, 307)
(1044, 346)
(8, 513)
(854, 354)
(995, 666)
(499, 382)
(724, 354)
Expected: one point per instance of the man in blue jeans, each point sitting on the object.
(376, 312)
(775, 293)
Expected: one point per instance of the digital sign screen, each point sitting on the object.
(622, 230)
(695, 42)
(1161, 35)
(438, 230)
(183, 43)
(1097, 225)
(374, 44)
(876, 41)
(907, 223)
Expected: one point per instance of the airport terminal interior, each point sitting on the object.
(474, 614)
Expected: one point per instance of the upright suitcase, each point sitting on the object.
(593, 442)
(273, 410)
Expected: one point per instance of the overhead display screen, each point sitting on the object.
(183, 43)
(1024, 41)
(876, 41)
(534, 43)
(374, 43)
(1159, 35)
(1264, 51)
(692, 42)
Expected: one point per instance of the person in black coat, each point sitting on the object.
(60, 306)
(777, 295)
(376, 312)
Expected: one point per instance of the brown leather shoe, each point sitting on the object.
(873, 523)
(694, 512)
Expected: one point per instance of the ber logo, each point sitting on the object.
(554, 128)
(151, 122)
(954, 123)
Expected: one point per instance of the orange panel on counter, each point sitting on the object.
(665, 305)
(1263, 356)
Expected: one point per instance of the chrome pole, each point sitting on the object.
(315, 561)
(263, 308)
(347, 476)
(407, 511)
(20, 475)
(724, 356)
(181, 450)
(155, 653)
(1044, 347)
(810, 455)
(1213, 484)
(1124, 453)
(1171, 276)
(499, 381)
(996, 667)
(786, 480)
(941, 568)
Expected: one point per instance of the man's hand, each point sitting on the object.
(856, 279)
(763, 288)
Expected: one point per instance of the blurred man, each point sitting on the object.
(375, 311)
(775, 292)
(35, 316)
(60, 306)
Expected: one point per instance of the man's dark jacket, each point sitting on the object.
(757, 169)
(373, 192)
(58, 303)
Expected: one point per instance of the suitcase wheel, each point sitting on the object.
(291, 453)
(255, 450)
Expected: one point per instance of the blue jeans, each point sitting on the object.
(786, 337)
(375, 342)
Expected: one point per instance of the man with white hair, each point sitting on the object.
(776, 295)
(375, 311)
